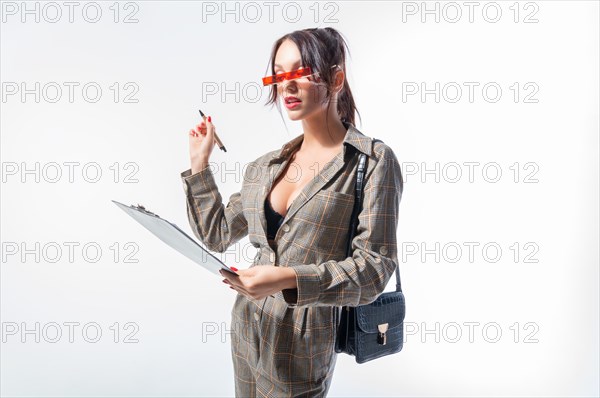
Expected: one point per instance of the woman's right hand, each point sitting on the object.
(202, 142)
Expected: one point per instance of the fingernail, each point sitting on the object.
(209, 119)
(233, 268)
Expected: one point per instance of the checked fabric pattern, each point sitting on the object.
(283, 346)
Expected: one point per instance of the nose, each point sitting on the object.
(288, 87)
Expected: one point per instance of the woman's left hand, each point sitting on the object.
(260, 281)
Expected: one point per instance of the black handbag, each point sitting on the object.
(376, 329)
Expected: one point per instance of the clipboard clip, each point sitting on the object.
(142, 208)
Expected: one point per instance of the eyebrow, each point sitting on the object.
(297, 62)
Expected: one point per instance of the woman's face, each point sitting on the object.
(311, 96)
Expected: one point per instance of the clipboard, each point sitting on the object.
(173, 236)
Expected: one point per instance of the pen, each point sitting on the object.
(219, 142)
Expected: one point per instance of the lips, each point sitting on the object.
(290, 100)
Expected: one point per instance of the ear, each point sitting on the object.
(338, 80)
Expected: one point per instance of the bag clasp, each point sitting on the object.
(381, 337)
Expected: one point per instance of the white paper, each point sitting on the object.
(173, 236)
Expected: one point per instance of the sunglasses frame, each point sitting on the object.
(292, 75)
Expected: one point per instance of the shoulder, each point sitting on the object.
(263, 160)
(383, 168)
(254, 170)
(383, 155)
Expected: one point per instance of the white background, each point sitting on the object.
(547, 311)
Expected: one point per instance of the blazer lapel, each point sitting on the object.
(315, 185)
(280, 160)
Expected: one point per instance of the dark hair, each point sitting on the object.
(320, 48)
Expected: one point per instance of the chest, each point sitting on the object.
(314, 199)
(295, 176)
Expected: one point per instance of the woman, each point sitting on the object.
(285, 315)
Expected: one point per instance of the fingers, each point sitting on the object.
(197, 132)
(203, 128)
(236, 287)
(230, 277)
(233, 281)
(209, 125)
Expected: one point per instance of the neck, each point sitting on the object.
(322, 134)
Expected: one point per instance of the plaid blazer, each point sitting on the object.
(286, 343)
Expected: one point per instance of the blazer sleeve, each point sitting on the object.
(218, 226)
(361, 278)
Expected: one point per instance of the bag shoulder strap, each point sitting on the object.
(358, 199)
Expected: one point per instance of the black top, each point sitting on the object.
(274, 220)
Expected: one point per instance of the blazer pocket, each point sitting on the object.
(332, 209)
(328, 215)
(303, 347)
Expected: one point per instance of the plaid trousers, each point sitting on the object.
(283, 346)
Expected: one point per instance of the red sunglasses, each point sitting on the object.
(296, 74)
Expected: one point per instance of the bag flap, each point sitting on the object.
(388, 308)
